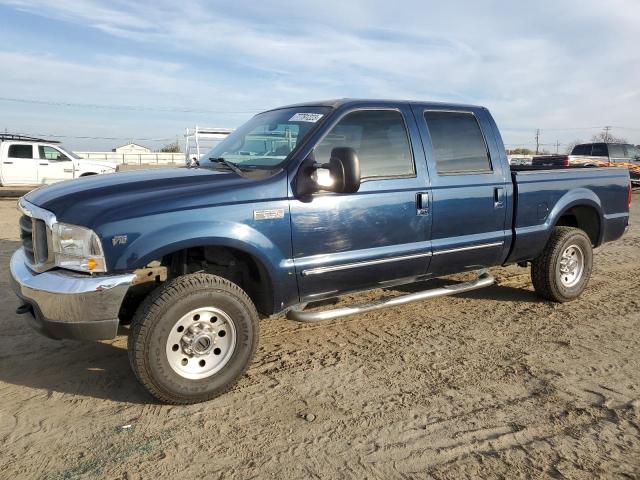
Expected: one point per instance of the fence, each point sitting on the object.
(152, 158)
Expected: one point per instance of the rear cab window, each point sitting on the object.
(599, 150)
(459, 146)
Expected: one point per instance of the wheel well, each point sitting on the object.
(583, 217)
(235, 265)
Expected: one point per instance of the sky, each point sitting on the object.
(146, 70)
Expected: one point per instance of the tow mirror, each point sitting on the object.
(340, 175)
(344, 168)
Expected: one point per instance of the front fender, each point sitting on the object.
(268, 242)
(156, 243)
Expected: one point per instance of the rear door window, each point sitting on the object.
(20, 151)
(599, 150)
(458, 143)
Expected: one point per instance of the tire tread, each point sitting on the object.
(153, 306)
(543, 267)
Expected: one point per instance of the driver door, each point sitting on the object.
(53, 165)
(378, 236)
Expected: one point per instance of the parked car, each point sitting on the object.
(33, 161)
(597, 155)
(194, 257)
(519, 159)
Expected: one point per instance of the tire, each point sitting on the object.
(554, 274)
(166, 317)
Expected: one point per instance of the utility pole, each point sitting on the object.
(537, 141)
(606, 134)
(557, 147)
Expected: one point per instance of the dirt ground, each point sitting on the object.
(493, 383)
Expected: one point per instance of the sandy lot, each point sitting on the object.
(493, 383)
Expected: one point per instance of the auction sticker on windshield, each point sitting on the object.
(306, 117)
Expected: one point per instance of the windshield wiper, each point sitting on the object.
(228, 164)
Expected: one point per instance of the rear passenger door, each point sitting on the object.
(21, 165)
(469, 189)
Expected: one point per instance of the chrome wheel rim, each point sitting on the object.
(201, 343)
(571, 265)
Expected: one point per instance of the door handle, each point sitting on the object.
(7, 163)
(422, 203)
(498, 197)
(44, 164)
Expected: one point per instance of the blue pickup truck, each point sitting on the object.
(300, 204)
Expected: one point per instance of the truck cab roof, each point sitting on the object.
(342, 102)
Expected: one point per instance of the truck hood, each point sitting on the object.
(99, 165)
(103, 198)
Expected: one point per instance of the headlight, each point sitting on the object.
(77, 248)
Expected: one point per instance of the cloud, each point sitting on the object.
(534, 69)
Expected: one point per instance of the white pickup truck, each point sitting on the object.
(33, 161)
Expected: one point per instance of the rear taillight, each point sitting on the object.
(565, 161)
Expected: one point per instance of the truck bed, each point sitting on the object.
(541, 194)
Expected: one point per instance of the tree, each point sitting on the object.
(520, 151)
(608, 138)
(571, 145)
(171, 148)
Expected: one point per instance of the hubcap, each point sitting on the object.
(201, 343)
(571, 265)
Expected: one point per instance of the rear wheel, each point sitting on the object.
(193, 338)
(562, 271)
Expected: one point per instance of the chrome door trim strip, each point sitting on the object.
(470, 247)
(346, 266)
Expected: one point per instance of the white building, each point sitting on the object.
(131, 148)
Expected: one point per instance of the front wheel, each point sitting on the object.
(193, 338)
(562, 271)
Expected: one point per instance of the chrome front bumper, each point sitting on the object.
(65, 304)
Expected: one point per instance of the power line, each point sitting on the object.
(140, 108)
(85, 137)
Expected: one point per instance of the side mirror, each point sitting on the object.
(193, 162)
(340, 175)
(344, 168)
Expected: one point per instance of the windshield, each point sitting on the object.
(633, 152)
(267, 139)
(69, 152)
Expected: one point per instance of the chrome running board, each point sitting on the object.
(483, 280)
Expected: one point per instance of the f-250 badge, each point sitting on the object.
(268, 214)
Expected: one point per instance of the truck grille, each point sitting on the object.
(33, 233)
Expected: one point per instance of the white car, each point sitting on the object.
(33, 161)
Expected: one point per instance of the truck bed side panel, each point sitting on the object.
(542, 197)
